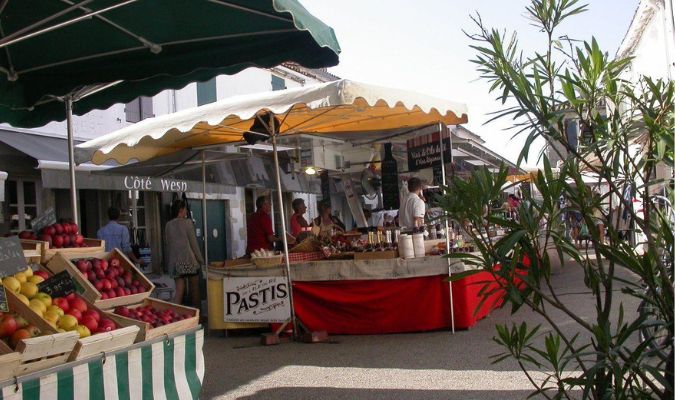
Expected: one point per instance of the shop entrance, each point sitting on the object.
(215, 210)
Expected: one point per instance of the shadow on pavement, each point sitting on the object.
(382, 394)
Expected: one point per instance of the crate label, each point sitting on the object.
(12, 259)
(4, 306)
(59, 285)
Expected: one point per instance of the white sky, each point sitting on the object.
(419, 45)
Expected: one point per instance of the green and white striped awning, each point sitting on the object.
(169, 369)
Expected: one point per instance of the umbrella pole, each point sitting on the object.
(441, 130)
(68, 100)
(204, 224)
(283, 229)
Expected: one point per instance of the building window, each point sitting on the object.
(23, 204)
(206, 92)
(139, 109)
(278, 83)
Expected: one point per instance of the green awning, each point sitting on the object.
(148, 45)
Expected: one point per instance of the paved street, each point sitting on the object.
(436, 365)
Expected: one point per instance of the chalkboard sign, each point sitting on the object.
(390, 193)
(46, 219)
(58, 285)
(11, 256)
(425, 152)
(4, 306)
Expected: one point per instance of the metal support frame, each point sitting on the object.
(68, 100)
(441, 130)
(204, 216)
(280, 197)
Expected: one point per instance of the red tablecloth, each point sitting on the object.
(391, 306)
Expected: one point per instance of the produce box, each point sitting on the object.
(147, 330)
(376, 255)
(33, 250)
(32, 354)
(102, 297)
(89, 246)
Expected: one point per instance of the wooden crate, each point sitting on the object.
(33, 250)
(147, 332)
(105, 342)
(92, 246)
(34, 354)
(376, 255)
(63, 262)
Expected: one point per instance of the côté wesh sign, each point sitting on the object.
(260, 299)
(425, 152)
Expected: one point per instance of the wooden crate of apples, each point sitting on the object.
(62, 237)
(157, 318)
(28, 342)
(108, 279)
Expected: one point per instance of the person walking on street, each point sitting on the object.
(184, 258)
(116, 236)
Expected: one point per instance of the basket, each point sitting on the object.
(266, 262)
(308, 245)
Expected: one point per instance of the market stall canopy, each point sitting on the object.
(339, 106)
(134, 48)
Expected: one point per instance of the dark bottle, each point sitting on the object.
(390, 193)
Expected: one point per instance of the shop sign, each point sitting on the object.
(46, 219)
(425, 152)
(260, 299)
(155, 184)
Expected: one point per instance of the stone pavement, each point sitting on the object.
(433, 365)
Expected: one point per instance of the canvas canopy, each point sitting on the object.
(339, 106)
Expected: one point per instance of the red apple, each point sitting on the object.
(114, 262)
(42, 274)
(79, 240)
(8, 325)
(106, 325)
(91, 276)
(66, 240)
(74, 228)
(78, 304)
(111, 294)
(58, 228)
(49, 230)
(104, 264)
(120, 292)
(90, 323)
(104, 296)
(93, 314)
(25, 234)
(98, 285)
(62, 303)
(57, 240)
(106, 284)
(82, 265)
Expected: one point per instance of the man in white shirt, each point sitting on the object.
(411, 213)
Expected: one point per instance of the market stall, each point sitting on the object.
(368, 297)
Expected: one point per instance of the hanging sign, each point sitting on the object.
(261, 299)
(12, 259)
(155, 184)
(59, 285)
(425, 152)
(46, 219)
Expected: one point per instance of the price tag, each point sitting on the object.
(4, 306)
(12, 259)
(59, 285)
(46, 219)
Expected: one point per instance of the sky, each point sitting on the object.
(420, 46)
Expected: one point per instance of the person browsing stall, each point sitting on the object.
(184, 258)
(326, 221)
(298, 221)
(116, 236)
(259, 230)
(411, 213)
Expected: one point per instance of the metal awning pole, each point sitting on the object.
(204, 224)
(68, 100)
(441, 130)
(280, 198)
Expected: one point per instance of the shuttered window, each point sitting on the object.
(278, 83)
(139, 109)
(206, 92)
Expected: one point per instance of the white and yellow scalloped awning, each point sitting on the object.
(341, 106)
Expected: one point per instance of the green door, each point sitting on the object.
(215, 227)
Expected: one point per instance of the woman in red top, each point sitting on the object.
(298, 222)
(260, 234)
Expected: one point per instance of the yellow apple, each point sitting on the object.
(68, 322)
(51, 316)
(45, 298)
(83, 331)
(55, 309)
(28, 272)
(12, 284)
(21, 277)
(29, 289)
(35, 303)
(36, 279)
(23, 299)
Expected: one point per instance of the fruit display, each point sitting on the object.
(59, 235)
(107, 279)
(151, 315)
(72, 313)
(156, 317)
(24, 285)
(14, 328)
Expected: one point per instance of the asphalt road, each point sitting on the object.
(433, 365)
